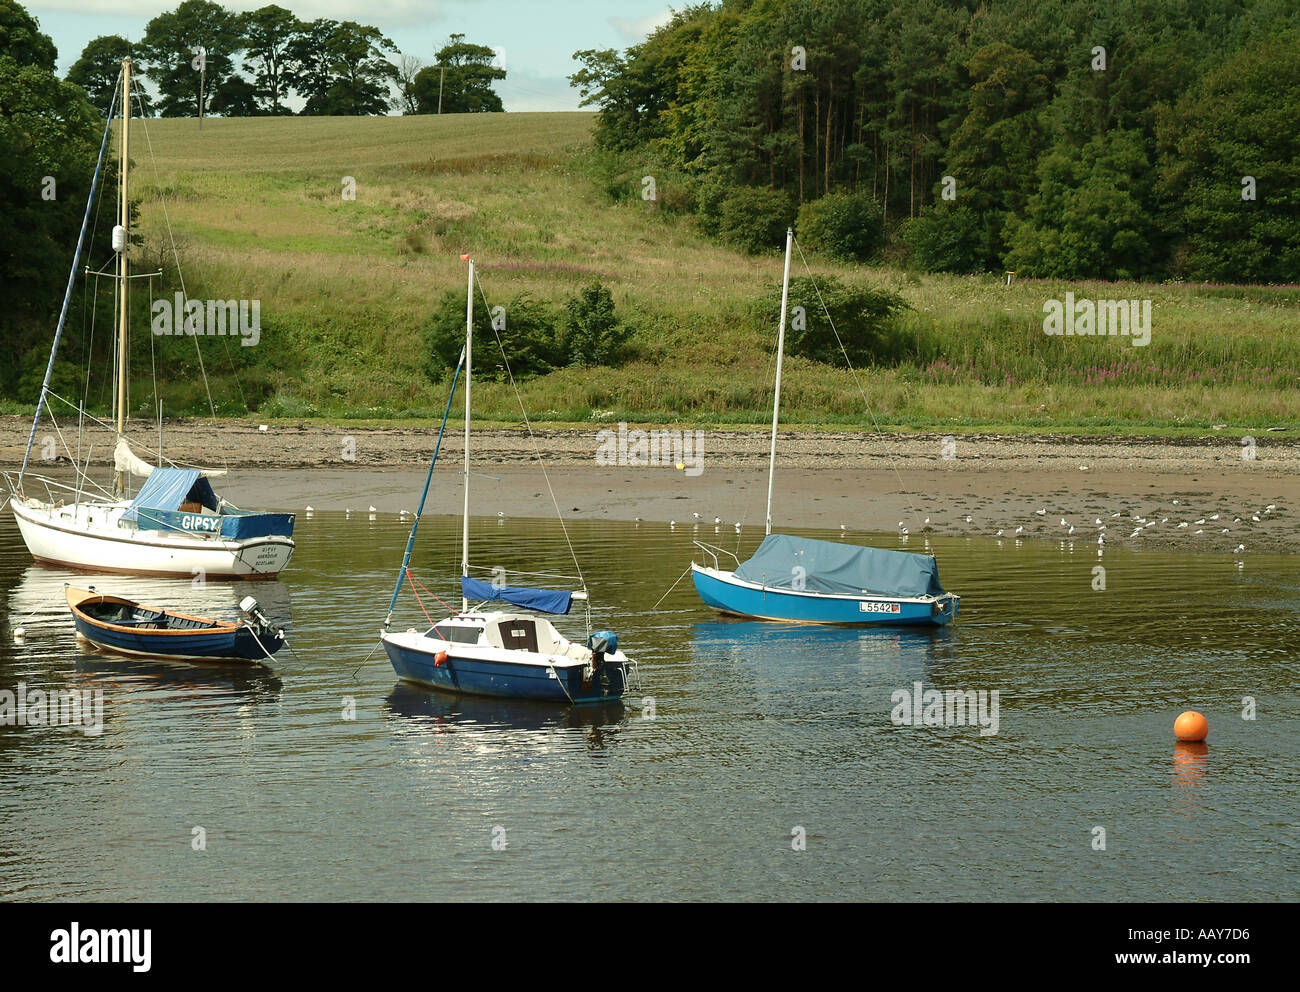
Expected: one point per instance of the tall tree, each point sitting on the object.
(49, 136)
(269, 33)
(98, 70)
(21, 37)
(342, 68)
(465, 72)
(172, 62)
(408, 67)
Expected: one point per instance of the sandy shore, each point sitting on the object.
(861, 482)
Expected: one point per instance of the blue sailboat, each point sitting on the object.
(490, 652)
(804, 580)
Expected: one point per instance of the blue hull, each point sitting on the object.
(503, 680)
(776, 604)
(238, 645)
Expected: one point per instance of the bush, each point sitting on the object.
(944, 239)
(754, 219)
(863, 318)
(847, 226)
(593, 334)
(527, 328)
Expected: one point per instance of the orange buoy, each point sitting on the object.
(1191, 726)
(440, 659)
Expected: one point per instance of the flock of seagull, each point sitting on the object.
(1141, 524)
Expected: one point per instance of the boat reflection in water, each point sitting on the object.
(425, 711)
(211, 682)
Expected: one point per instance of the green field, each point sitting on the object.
(345, 286)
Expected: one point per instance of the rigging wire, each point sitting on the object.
(893, 464)
(531, 436)
(224, 343)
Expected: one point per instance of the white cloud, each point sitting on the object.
(387, 12)
(634, 30)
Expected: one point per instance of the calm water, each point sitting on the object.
(757, 729)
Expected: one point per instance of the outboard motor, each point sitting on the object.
(601, 643)
(253, 610)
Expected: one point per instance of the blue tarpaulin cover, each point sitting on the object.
(840, 569)
(542, 600)
(168, 488)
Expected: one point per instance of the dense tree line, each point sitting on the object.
(253, 64)
(1062, 138)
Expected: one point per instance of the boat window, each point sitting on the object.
(457, 635)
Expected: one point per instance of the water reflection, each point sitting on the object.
(428, 711)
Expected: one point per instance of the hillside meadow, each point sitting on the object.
(258, 212)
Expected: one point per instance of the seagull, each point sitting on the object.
(672, 523)
(1200, 532)
(502, 513)
(1214, 516)
(1042, 512)
(1164, 520)
(904, 531)
(998, 534)
(716, 521)
(1149, 524)
(1182, 525)
(1240, 548)
(1071, 530)
(1236, 520)
(1062, 521)
(1136, 532)
(1255, 518)
(1101, 538)
(696, 516)
(1175, 502)
(738, 526)
(1019, 529)
(348, 512)
(406, 513)
(968, 518)
(842, 527)
(1114, 515)
(1271, 507)
(1224, 531)
(1201, 521)
(927, 521)
(310, 509)
(1097, 521)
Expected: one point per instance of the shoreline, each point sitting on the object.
(861, 482)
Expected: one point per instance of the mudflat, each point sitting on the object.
(1199, 493)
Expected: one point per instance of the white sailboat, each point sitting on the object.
(175, 524)
(487, 652)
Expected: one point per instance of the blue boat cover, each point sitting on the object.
(794, 563)
(168, 488)
(542, 600)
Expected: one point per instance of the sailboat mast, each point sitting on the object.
(780, 354)
(469, 345)
(124, 221)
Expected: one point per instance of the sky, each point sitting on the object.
(538, 36)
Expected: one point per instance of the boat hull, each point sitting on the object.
(722, 591)
(86, 538)
(504, 680)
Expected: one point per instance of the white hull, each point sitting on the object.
(86, 536)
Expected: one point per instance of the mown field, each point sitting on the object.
(345, 285)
